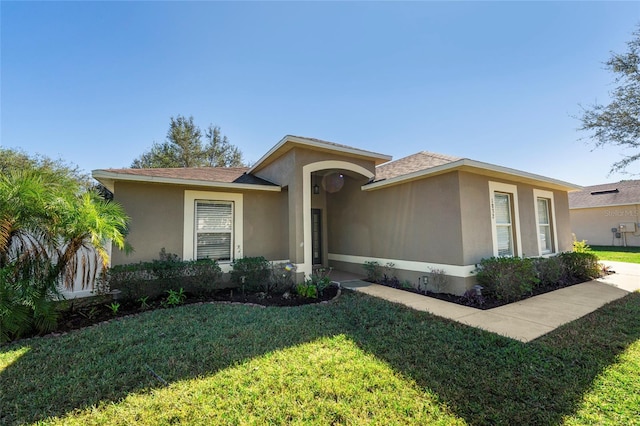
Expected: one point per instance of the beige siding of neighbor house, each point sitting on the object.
(157, 218)
(594, 224)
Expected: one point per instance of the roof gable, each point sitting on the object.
(289, 142)
(608, 194)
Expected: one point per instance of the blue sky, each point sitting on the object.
(95, 83)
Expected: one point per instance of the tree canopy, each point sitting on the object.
(618, 123)
(184, 147)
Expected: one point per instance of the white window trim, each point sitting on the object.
(513, 191)
(188, 244)
(539, 193)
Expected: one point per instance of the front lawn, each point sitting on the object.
(617, 253)
(358, 360)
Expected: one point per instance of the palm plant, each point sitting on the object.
(49, 226)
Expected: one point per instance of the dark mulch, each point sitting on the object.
(486, 302)
(84, 316)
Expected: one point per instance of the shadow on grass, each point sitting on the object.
(479, 376)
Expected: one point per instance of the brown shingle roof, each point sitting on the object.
(412, 163)
(608, 194)
(211, 174)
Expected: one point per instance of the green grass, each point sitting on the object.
(358, 360)
(617, 253)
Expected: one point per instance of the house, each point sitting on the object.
(607, 214)
(312, 202)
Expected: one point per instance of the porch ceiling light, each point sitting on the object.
(333, 182)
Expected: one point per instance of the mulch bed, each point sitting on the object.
(85, 316)
(488, 303)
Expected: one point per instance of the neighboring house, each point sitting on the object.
(311, 202)
(607, 214)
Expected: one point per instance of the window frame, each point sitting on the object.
(189, 228)
(546, 195)
(512, 192)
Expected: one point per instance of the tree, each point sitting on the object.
(184, 148)
(51, 222)
(618, 123)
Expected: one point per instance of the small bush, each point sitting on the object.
(373, 270)
(438, 279)
(580, 246)
(281, 279)
(307, 290)
(320, 280)
(578, 267)
(549, 271)
(251, 273)
(507, 278)
(153, 279)
(472, 297)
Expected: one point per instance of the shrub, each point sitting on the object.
(153, 279)
(472, 297)
(26, 302)
(281, 278)
(578, 267)
(251, 273)
(580, 246)
(320, 280)
(438, 279)
(507, 278)
(549, 271)
(307, 290)
(373, 270)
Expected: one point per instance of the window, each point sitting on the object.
(544, 226)
(504, 226)
(213, 226)
(546, 221)
(505, 219)
(214, 230)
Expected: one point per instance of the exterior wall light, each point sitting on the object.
(316, 189)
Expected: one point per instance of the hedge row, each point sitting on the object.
(511, 278)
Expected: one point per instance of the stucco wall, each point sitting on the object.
(594, 224)
(476, 217)
(157, 221)
(266, 223)
(418, 221)
(157, 217)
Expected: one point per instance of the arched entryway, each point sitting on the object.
(331, 179)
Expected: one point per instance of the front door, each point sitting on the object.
(316, 236)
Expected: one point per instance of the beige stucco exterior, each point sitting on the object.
(442, 222)
(594, 225)
(431, 221)
(157, 218)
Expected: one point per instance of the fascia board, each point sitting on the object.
(317, 144)
(109, 178)
(478, 167)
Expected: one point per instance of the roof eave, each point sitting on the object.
(601, 206)
(466, 164)
(374, 156)
(108, 179)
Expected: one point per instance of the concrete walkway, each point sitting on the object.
(525, 320)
